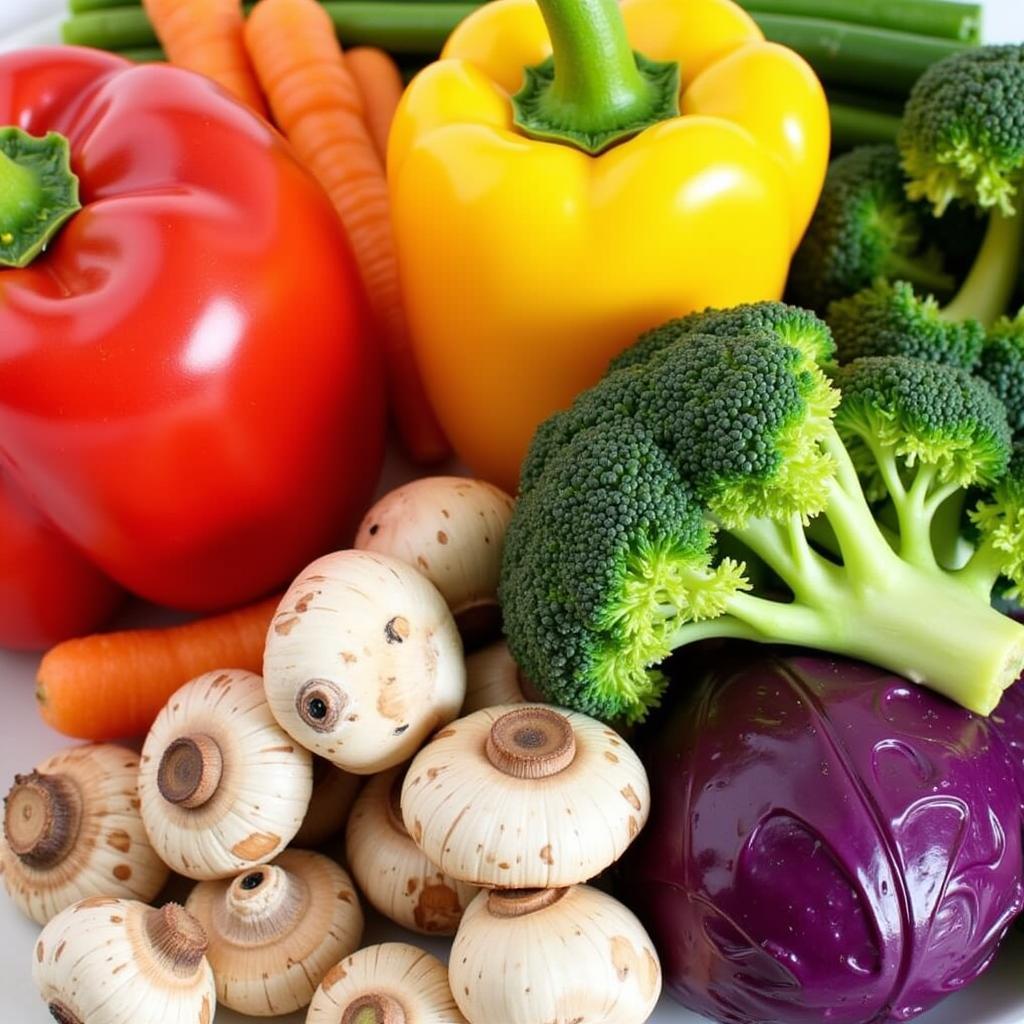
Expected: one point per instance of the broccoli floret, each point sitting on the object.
(888, 318)
(999, 521)
(611, 560)
(798, 327)
(961, 139)
(864, 227)
(1002, 365)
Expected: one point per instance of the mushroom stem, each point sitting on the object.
(374, 1008)
(177, 938)
(190, 770)
(531, 743)
(60, 1013)
(520, 902)
(262, 906)
(42, 817)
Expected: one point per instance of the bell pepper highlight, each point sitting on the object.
(540, 230)
(38, 192)
(594, 90)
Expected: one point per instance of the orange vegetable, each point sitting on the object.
(316, 103)
(207, 36)
(113, 685)
(380, 86)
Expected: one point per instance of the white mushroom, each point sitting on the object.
(72, 829)
(363, 661)
(452, 529)
(393, 983)
(274, 931)
(492, 677)
(525, 796)
(392, 872)
(223, 787)
(555, 955)
(110, 961)
(334, 792)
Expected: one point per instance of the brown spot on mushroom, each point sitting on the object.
(624, 958)
(95, 901)
(432, 773)
(438, 909)
(115, 919)
(396, 629)
(650, 974)
(609, 756)
(417, 831)
(286, 749)
(334, 975)
(39, 952)
(119, 840)
(344, 895)
(303, 603)
(221, 679)
(285, 626)
(634, 827)
(631, 798)
(316, 579)
(504, 865)
(204, 1011)
(444, 734)
(442, 537)
(390, 704)
(545, 854)
(411, 886)
(446, 513)
(59, 951)
(422, 563)
(122, 872)
(257, 846)
(348, 657)
(120, 967)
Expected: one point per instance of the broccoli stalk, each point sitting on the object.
(723, 422)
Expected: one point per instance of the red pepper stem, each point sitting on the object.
(38, 192)
(594, 91)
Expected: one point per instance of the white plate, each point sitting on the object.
(996, 998)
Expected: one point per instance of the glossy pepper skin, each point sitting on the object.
(187, 391)
(527, 264)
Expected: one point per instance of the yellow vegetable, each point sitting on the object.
(539, 233)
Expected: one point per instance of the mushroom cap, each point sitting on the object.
(403, 983)
(492, 678)
(334, 793)
(525, 796)
(392, 872)
(597, 962)
(251, 780)
(111, 961)
(72, 829)
(452, 529)
(363, 661)
(274, 931)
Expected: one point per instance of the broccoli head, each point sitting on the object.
(889, 318)
(613, 557)
(863, 228)
(1002, 365)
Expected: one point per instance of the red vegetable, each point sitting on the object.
(186, 387)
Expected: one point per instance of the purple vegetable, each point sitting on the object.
(1008, 722)
(828, 843)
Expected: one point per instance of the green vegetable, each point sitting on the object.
(401, 26)
(858, 56)
(611, 560)
(1002, 365)
(920, 17)
(864, 227)
(858, 123)
(144, 54)
(962, 140)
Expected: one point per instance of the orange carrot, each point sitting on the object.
(207, 36)
(113, 685)
(380, 86)
(316, 104)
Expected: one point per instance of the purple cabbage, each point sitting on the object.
(828, 843)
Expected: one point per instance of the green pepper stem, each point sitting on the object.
(594, 91)
(596, 78)
(38, 192)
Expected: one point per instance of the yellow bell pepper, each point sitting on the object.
(661, 157)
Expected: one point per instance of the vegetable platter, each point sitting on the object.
(210, 769)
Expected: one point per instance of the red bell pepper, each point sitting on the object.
(189, 402)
